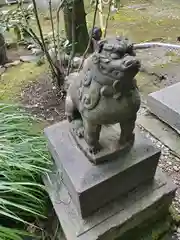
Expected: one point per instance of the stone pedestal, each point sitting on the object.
(107, 200)
(144, 203)
(165, 104)
(92, 186)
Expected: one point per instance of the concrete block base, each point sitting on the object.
(165, 104)
(93, 186)
(116, 218)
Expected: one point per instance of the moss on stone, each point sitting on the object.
(175, 215)
(161, 228)
(151, 230)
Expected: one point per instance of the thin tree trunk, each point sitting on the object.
(3, 54)
(81, 32)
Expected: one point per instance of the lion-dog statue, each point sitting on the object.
(105, 93)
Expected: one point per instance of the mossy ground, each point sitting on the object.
(16, 78)
(157, 20)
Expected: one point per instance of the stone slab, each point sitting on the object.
(161, 131)
(165, 104)
(92, 186)
(117, 217)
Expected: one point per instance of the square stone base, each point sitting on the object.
(92, 186)
(165, 104)
(116, 218)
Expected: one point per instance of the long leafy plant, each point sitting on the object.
(23, 159)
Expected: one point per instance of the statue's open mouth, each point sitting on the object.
(131, 63)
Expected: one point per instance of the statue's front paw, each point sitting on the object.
(95, 149)
(70, 118)
(78, 128)
(80, 132)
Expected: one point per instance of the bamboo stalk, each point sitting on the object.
(107, 19)
(73, 39)
(90, 37)
(43, 42)
(58, 27)
(52, 26)
(101, 15)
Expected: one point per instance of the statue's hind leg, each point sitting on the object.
(127, 131)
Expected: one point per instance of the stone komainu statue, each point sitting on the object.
(105, 92)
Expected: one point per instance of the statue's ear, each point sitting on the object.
(100, 45)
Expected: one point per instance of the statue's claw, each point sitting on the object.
(78, 128)
(80, 132)
(95, 149)
(69, 118)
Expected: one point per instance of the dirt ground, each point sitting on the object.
(44, 100)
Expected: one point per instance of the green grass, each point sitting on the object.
(23, 160)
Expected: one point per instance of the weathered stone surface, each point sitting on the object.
(92, 186)
(105, 92)
(117, 217)
(165, 104)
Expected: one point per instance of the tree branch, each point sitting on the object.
(73, 39)
(58, 28)
(43, 42)
(52, 26)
